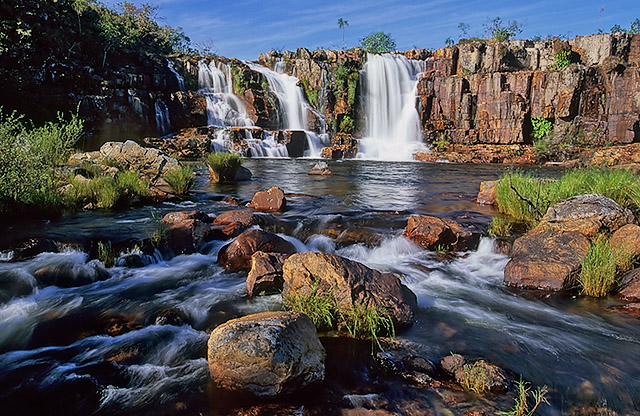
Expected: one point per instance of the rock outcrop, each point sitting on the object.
(351, 282)
(267, 354)
(236, 255)
(432, 232)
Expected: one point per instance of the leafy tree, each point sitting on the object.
(617, 28)
(464, 29)
(341, 24)
(501, 32)
(635, 26)
(378, 42)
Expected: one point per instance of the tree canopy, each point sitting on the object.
(378, 42)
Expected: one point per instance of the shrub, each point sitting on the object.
(106, 191)
(563, 59)
(223, 166)
(346, 125)
(541, 127)
(378, 42)
(521, 406)
(497, 31)
(180, 179)
(598, 274)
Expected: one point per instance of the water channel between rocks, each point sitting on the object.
(54, 344)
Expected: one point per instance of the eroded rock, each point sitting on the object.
(187, 230)
(267, 354)
(320, 169)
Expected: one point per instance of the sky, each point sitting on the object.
(245, 28)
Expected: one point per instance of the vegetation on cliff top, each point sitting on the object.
(378, 42)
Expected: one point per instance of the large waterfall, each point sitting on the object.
(294, 107)
(393, 124)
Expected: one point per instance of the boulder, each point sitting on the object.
(321, 169)
(266, 273)
(270, 200)
(589, 214)
(432, 232)
(487, 194)
(351, 282)
(70, 273)
(478, 376)
(266, 354)
(630, 283)
(547, 260)
(236, 221)
(186, 230)
(242, 174)
(236, 255)
(15, 283)
(151, 163)
(626, 239)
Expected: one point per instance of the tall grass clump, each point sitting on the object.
(526, 198)
(223, 166)
(180, 179)
(106, 191)
(320, 306)
(364, 321)
(29, 157)
(598, 274)
(522, 406)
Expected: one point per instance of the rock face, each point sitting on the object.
(589, 214)
(548, 260)
(351, 282)
(236, 221)
(266, 273)
(267, 354)
(431, 232)
(151, 163)
(236, 255)
(271, 200)
(186, 230)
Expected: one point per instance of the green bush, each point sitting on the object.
(541, 127)
(563, 59)
(223, 166)
(180, 179)
(346, 125)
(378, 42)
(29, 157)
(498, 31)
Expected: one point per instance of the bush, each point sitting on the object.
(106, 191)
(223, 166)
(541, 127)
(598, 274)
(180, 179)
(563, 59)
(497, 31)
(346, 125)
(378, 42)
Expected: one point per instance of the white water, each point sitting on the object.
(393, 123)
(177, 75)
(163, 123)
(293, 106)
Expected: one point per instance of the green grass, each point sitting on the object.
(106, 254)
(563, 59)
(535, 195)
(320, 306)
(522, 406)
(364, 321)
(598, 274)
(475, 377)
(106, 191)
(224, 166)
(500, 227)
(180, 179)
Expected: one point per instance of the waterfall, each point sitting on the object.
(163, 123)
(177, 75)
(393, 129)
(293, 105)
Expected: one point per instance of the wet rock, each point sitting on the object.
(479, 376)
(171, 316)
(630, 286)
(546, 260)
(266, 273)
(320, 168)
(589, 214)
(432, 232)
(487, 194)
(185, 146)
(267, 354)
(244, 219)
(32, 247)
(351, 282)
(343, 146)
(236, 255)
(242, 174)
(187, 230)
(626, 240)
(270, 200)
(71, 274)
(15, 283)
(503, 245)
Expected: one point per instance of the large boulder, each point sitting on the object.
(271, 200)
(626, 240)
(187, 230)
(589, 214)
(487, 194)
(236, 221)
(151, 163)
(630, 282)
(267, 354)
(236, 255)
(432, 232)
(548, 260)
(266, 273)
(351, 282)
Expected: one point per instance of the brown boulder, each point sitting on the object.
(266, 273)
(627, 240)
(236, 255)
(431, 232)
(589, 214)
(270, 200)
(546, 260)
(630, 282)
(266, 354)
(487, 194)
(321, 169)
(236, 221)
(351, 282)
(186, 230)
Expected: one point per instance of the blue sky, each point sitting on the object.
(245, 28)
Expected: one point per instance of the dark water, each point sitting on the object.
(96, 347)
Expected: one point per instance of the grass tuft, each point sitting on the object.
(223, 166)
(521, 406)
(320, 306)
(180, 179)
(500, 227)
(598, 274)
(475, 377)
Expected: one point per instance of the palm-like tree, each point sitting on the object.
(341, 24)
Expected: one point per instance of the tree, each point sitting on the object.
(617, 28)
(449, 41)
(635, 26)
(378, 42)
(498, 32)
(464, 29)
(341, 24)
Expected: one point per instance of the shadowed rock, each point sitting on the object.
(266, 273)
(236, 255)
(429, 232)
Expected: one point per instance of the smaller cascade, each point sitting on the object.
(172, 68)
(163, 123)
(224, 109)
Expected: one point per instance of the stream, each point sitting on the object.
(100, 348)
